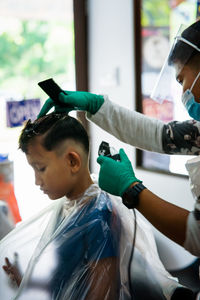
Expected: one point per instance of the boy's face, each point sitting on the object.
(52, 171)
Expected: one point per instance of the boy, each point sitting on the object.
(85, 245)
(85, 251)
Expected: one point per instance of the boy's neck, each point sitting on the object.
(82, 185)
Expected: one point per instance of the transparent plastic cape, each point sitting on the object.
(84, 249)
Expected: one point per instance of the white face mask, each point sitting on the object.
(192, 107)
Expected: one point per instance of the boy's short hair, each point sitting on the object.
(55, 128)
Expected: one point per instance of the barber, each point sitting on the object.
(136, 129)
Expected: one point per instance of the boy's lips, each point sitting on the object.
(43, 190)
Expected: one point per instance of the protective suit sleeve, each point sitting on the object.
(148, 133)
(192, 241)
(129, 126)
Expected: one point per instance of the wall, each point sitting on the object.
(111, 71)
(110, 61)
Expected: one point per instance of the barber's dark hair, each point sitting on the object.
(56, 127)
(183, 52)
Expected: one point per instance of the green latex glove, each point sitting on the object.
(74, 101)
(116, 176)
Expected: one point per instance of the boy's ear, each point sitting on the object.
(74, 161)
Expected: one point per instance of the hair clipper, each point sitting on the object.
(106, 150)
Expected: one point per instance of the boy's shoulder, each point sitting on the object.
(99, 206)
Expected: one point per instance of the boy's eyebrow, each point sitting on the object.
(32, 164)
(35, 163)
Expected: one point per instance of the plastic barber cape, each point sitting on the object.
(84, 249)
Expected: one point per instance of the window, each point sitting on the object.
(36, 43)
(156, 26)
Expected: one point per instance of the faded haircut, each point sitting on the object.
(55, 129)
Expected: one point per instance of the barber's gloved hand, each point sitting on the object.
(116, 176)
(74, 101)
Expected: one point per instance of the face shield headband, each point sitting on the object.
(166, 87)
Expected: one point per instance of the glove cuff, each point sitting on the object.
(128, 184)
(95, 105)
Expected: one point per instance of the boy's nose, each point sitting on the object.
(38, 180)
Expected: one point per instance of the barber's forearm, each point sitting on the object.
(129, 126)
(168, 218)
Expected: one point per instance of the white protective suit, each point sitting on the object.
(154, 135)
(60, 249)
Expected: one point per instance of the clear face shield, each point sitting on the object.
(185, 46)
